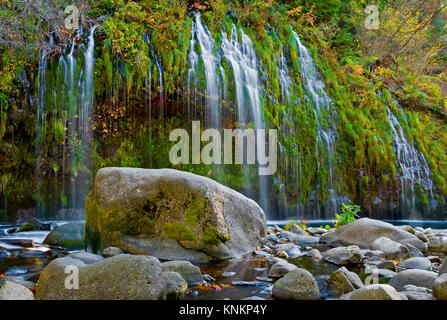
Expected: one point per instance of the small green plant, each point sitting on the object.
(292, 221)
(349, 214)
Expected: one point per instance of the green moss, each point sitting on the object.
(178, 231)
(27, 227)
(211, 237)
(195, 211)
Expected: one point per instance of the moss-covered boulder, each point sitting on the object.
(69, 235)
(170, 214)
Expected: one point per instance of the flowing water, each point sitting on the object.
(68, 104)
(414, 172)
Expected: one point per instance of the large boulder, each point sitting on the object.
(373, 292)
(393, 250)
(120, 277)
(343, 281)
(13, 291)
(281, 268)
(364, 231)
(415, 277)
(146, 211)
(176, 286)
(298, 284)
(417, 293)
(69, 235)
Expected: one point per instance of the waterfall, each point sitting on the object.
(68, 106)
(325, 115)
(284, 78)
(414, 170)
(244, 62)
(201, 36)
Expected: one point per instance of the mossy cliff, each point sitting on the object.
(143, 90)
(198, 213)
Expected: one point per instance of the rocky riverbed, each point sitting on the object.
(367, 259)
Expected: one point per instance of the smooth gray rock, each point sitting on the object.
(298, 284)
(417, 293)
(296, 229)
(13, 291)
(69, 235)
(373, 292)
(314, 254)
(129, 206)
(176, 286)
(186, 269)
(280, 269)
(418, 278)
(300, 239)
(111, 252)
(86, 257)
(343, 281)
(120, 277)
(291, 249)
(416, 263)
(413, 251)
(437, 244)
(363, 232)
(440, 287)
(392, 249)
(343, 255)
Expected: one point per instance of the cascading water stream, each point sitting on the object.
(201, 36)
(68, 106)
(415, 174)
(325, 115)
(244, 62)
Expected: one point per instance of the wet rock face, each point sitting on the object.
(137, 209)
(117, 278)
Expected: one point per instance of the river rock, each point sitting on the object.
(301, 239)
(13, 291)
(314, 254)
(86, 257)
(120, 277)
(111, 252)
(343, 255)
(437, 244)
(440, 287)
(417, 293)
(296, 229)
(281, 268)
(392, 249)
(418, 278)
(291, 249)
(373, 292)
(343, 281)
(298, 284)
(363, 232)
(129, 206)
(416, 263)
(176, 286)
(69, 235)
(186, 269)
(413, 251)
